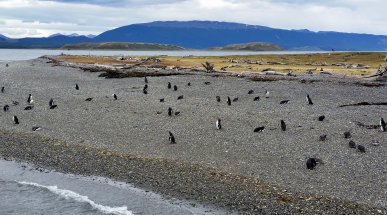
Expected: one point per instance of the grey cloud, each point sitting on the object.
(117, 3)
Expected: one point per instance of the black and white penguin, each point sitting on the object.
(177, 113)
(189, 84)
(267, 94)
(347, 135)
(51, 102)
(352, 144)
(283, 125)
(76, 87)
(207, 83)
(323, 137)
(250, 92)
(311, 163)
(382, 125)
(218, 98)
(171, 138)
(115, 96)
(228, 101)
(15, 120)
(361, 148)
(89, 99)
(2, 89)
(218, 125)
(6, 108)
(180, 97)
(36, 128)
(284, 102)
(309, 100)
(29, 99)
(169, 85)
(162, 100)
(235, 99)
(29, 107)
(170, 111)
(145, 89)
(146, 80)
(256, 98)
(53, 106)
(174, 87)
(321, 118)
(259, 129)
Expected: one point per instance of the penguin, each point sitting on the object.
(228, 101)
(51, 102)
(321, 118)
(174, 87)
(311, 163)
(89, 99)
(189, 84)
(170, 111)
(145, 91)
(6, 65)
(29, 99)
(146, 80)
(169, 85)
(36, 128)
(15, 120)
(218, 98)
(323, 137)
(267, 94)
(162, 100)
(2, 89)
(53, 106)
(352, 144)
(115, 96)
(283, 125)
(218, 125)
(6, 108)
(29, 107)
(309, 99)
(171, 138)
(207, 83)
(180, 97)
(235, 99)
(382, 125)
(76, 87)
(361, 148)
(14, 103)
(347, 135)
(284, 102)
(256, 98)
(250, 92)
(259, 129)
(177, 113)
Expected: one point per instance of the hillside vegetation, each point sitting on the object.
(255, 46)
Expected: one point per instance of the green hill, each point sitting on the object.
(255, 46)
(122, 46)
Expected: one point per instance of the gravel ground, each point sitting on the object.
(134, 125)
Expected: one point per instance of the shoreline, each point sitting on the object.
(225, 168)
(238, 194)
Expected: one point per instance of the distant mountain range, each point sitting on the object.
(206, 34)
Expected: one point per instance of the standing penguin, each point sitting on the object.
(76, 87)
(15, 120)
(169, 85)
(115, 96)
(382, 125)
(146, 80)
(267, 94)
(283, 125)
(29, 99)
(171, 138)
(170, 111)
(309, 100)
(218, 125)
(228, 101)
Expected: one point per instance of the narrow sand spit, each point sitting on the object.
(235, 168)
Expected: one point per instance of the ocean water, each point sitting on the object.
(28, 54)
(25, 189)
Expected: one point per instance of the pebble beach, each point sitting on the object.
(234, 168)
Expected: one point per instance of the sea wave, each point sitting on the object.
(68, 194)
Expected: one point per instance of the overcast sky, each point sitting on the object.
(36, 18)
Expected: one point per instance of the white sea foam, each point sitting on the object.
(68, 194)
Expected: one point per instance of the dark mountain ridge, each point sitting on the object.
(209, 34)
